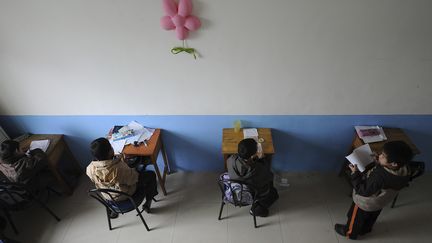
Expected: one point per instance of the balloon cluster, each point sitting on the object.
(178, 17)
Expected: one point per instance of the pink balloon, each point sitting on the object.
(170, 7)
(185, 7)
(167, 23)
(179, 17)
(179, 21)
(192, 23)
(181, 32)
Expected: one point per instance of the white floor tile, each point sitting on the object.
(306, 212)
(197, 223)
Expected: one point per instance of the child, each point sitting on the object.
(251, 167)
(376, 188)
(18, 167)
(113, 173)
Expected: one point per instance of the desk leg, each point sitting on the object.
(160, 179)
(167, 169)
(67, 189)
(78, 169)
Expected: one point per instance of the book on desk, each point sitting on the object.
(370, 134)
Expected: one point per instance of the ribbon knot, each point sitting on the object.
(177, 50)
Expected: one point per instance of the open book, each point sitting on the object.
(361, 156)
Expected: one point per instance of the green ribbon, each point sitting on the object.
(178, 49)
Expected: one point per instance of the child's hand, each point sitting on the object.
(353, 168)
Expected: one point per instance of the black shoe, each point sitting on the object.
(147, 206)
(113, 215)
(341, 229)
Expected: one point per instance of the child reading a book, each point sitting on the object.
(109, 172)
(376, 188)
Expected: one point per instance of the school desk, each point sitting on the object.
(151, 150)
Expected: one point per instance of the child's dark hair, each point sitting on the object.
(398, 152)
(246, 148)
(101, 148)
(8, 148)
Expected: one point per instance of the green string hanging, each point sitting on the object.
(178, 49)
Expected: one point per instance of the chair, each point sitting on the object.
(15, 197)
(120, 207)
(417, 169)
(238, 193)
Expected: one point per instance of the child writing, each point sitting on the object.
(109, 172)
(250, 166)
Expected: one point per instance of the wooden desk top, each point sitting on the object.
(53, 138)
(143, 150)
(392, 134)
(231, 139)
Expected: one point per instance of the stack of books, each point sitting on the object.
(370, 134)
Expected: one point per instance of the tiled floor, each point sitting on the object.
(305, 212)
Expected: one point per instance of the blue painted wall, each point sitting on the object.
(302, 142)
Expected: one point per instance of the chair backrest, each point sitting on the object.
(236, 192)
(116, 206)
(417, 168)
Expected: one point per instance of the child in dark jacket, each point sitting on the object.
(250, 166)
(31, 169)
(376, 188)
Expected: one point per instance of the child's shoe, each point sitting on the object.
(341, 229)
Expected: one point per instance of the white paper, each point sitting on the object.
(41, 144)
(250, 133)
(135, 126)
(140, 133)
(361, 156)
(118, 145)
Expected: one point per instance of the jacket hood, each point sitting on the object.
(103, 172)
(402, 171)
(241, 168)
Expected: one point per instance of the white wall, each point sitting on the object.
(92, 57)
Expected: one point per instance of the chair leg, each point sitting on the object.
(394, 201)
(9, 219)
(142, 219)
(108, 211)
(254, 218)
(47, 209)
(221, 209)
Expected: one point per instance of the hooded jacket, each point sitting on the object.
(21, 168)
(113, 174)
(258, 174)
(378, 187)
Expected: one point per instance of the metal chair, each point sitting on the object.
(417, 169)
(238, 193)
(16, 197)
(120, 207)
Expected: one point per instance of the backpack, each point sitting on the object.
(236, 192)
